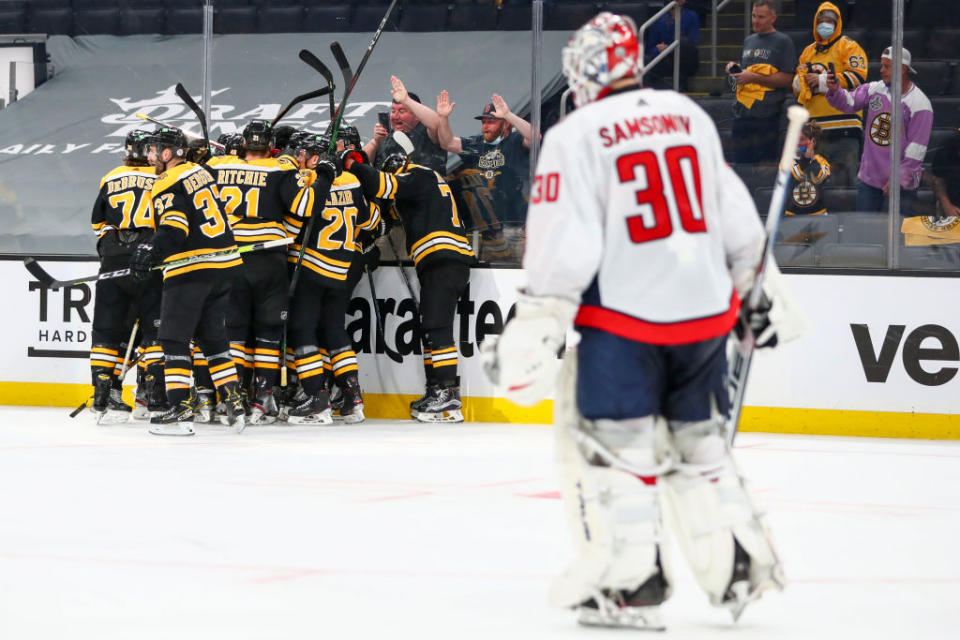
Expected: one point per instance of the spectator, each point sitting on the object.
(501, 154)
(660, 35)
(417, 121)
(946, 177)
(832, 50)
(761, 80)
(874, 174)
(810, 173)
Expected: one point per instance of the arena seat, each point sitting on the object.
(328, 18)
(515, 17)
(568, 17)
(795, 255)
(933, 76)
(932, 14)
(863, 228)
(13, 17)
(423, 17)
(720, 110)
(812, 230)
(876, 40)
(639, 11)
(946, 111)
(943, 44)
(954, 89)
(49, 20)
(840, 198)
(858, 256)
(280, 19)
(96, 21)
(139, 20)
(938, 257)
(472, 17)
(185, 20)
(756, 176)
(938, 138)
(235, 20)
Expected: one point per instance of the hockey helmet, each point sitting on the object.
(600, 52)
(282, 134)
(169, 138)
(258, 135)
(350, 135)
(395, 162)
(135, 146)
(233, 145)
(312, 144)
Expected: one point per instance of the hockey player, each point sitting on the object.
(322, 294)
(442, 255)
(122, 218)
(196, 295)
(255, 193)
(641, 237)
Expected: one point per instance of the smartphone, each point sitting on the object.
(384, 118)
(736, 68)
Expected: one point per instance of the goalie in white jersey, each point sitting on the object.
(640, 236)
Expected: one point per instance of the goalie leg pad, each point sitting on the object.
(715, 521)
(614, 514)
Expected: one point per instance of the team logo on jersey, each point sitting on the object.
(490, 162)
(940, 225)
(805, 193)
(880, 129)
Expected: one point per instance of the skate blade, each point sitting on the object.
(355, 417)
(642, 618)
(181, 429)
(141, 412)
(113, 417)
(454, 415)
(317, 418)
(239, 424)
(203, 417)
(260, 418)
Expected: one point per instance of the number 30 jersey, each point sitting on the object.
(189, 221)
(635, 214)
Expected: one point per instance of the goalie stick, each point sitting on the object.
(50, 282)
(743, 354)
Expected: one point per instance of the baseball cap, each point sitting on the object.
(907, 58)
(488, 112)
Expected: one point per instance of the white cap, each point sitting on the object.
(907, 59)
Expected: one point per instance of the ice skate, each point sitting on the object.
(235, 412)
(351, 401)
(441, 405)
(639, 609)
(746, 588)
(312, 410)
(416, 406)
(175, 421)
(264, 409)
(117, 411)
(205, 401)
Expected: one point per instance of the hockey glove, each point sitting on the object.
(328, 166)
(348, 156)
(108, 244)
(371, 259)
(523, 362)
(144, 258)
(764, 333)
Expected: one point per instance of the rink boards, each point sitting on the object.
(880, 358)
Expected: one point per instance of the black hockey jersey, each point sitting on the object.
(189, 221)
(807, 181)
(255, 195)
(124, 201)
(427, 210)
(331, 247)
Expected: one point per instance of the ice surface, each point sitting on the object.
(395, 529)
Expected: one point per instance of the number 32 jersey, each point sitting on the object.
(635, 214)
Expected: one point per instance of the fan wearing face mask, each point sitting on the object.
(832, 52)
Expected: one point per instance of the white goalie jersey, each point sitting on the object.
(635, 215)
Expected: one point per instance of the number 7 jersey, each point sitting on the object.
(635, 214)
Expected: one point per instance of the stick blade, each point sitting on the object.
(404, 141)
(38, 272)
(342, 61)
(188, 100)
(317, 64)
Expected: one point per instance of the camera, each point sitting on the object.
(384, 119)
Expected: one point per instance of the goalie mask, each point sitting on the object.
(599, 53)
(135, 147)
(258, 136)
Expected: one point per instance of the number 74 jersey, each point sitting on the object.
(635, 214)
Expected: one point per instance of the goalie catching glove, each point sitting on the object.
(523, 361)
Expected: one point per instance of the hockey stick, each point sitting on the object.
(188, 100)
(123, 371)
(50, 282)
(342, 62)
(301, 98)
(393, 355)
(161, 123)
(743, 354)
(322, 69)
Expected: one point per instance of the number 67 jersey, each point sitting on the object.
(635, 213)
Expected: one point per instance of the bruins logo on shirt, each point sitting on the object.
(880, 129)
(940, 225)
(489, 162)
(805, 193)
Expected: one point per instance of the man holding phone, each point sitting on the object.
(414, 119)
(760, 81)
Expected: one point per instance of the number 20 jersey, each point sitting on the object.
(635, 214)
